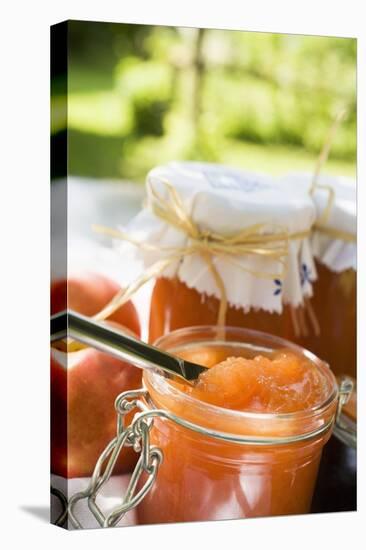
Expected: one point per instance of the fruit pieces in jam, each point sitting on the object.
(283, 383)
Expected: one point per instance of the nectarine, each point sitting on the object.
(85, 383)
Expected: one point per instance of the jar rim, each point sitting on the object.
(159, 382)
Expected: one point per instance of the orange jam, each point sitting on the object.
(334, 304)
(174, 305)
(245, 440)
(286, 383)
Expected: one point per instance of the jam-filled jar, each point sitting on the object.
(334, 281)
(224, 246)
(222, 462)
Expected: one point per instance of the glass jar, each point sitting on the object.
(223, 226)
(225, 464)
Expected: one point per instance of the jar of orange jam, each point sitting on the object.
(246, 439)
(223, 246)
(334, 279)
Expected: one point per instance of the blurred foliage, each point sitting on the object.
(142, 95)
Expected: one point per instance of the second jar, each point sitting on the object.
(334, 283)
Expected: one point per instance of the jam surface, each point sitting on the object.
(282, 384)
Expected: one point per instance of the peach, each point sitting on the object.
(85, 382)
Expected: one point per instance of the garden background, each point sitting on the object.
(141, 95)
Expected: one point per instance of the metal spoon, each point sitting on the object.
(69, 324)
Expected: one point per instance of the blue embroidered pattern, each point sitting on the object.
(278, 285)
(305, 274)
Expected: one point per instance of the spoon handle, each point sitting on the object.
(119, 344)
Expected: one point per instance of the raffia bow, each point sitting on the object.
(252, 240)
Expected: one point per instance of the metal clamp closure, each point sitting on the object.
(344, 428)
(136, 435)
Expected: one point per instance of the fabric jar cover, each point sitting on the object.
(226, 201)
(336, 253)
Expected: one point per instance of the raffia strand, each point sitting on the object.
(322, 159)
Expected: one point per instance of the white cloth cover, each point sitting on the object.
(336, 254)
(225, 201)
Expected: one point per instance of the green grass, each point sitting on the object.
(101, 156)
(104, 138)
(280, 159)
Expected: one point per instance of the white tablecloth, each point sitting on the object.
(110, 497)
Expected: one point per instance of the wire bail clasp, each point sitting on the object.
(345, 392)
(136, 435)
(345, 428)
